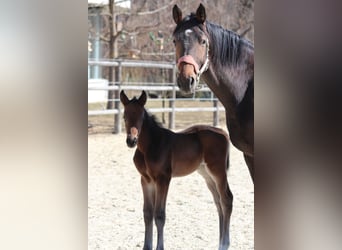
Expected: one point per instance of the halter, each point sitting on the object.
(190, 60)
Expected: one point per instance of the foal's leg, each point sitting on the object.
(149, 200)
(148, 188)
(250, 163)
(162, 187)
(212, 188)
(226, 201)
(223, 197)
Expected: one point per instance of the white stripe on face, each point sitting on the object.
(188, 32)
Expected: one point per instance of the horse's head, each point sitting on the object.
(133, 116)
(192, 47)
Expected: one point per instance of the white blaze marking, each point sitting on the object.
(188, 32)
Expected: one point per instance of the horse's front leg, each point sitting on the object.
(149, 201)
(162, 187)
(250, 164)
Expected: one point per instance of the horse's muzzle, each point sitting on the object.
(188, 69)
(131, 142)
(186, 84)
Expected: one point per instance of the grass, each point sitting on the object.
(105, 123)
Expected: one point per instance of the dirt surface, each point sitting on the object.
(115, 216)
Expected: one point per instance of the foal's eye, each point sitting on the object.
(203, 42)
(174, 41)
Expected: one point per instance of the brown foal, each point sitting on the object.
(162, 154)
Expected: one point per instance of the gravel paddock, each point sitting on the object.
(115, 216)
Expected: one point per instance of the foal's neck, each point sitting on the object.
(150, 132)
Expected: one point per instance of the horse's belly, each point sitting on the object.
(185, 167)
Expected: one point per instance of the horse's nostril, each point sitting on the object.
(131, 142)
(128, 141)
(192, 81)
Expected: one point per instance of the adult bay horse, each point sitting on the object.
(225, 61)
(162, 154)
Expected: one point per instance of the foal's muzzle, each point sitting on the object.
(131, 141)
(132, 137)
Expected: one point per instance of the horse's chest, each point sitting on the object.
(241, 136)
(158, 163)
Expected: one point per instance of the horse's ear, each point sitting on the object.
(142, 99)
(123, 98)
(177, 14)
(200, 14)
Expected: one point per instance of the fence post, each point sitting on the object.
(216, 113)
(117, 117)
(172, 101)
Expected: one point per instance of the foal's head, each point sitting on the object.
(133, 116)
(192, 47)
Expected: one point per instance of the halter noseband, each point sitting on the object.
(190, 60)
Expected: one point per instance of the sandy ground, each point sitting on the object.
(115, 216)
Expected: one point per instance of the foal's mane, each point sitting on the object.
(152, 119)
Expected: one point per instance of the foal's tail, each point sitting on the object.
(227, 141)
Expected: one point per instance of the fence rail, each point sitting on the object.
(130, 63)
(171, 87)
(139, 87)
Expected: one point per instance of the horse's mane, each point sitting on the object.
(153, 120)
(228, 44)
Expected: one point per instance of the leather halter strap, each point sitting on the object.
(190, 60)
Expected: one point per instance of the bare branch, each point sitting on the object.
(157, 53)
(120, 1)
(143, 27)
(156, 10)
(236, 27)
(142, 6)
(103, 38)
(243, 33)
(118, 34)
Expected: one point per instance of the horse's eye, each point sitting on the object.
(203, 41)
(174, 41)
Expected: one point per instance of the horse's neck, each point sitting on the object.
(222, 87)
(230, 82)
(149, 132)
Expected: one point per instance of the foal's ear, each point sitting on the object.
(177, 14)
(142, 99)
(200, 14)
(123, 98)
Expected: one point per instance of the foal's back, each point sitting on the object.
(198, 144)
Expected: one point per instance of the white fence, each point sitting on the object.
(100, 94)
(121, 85)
